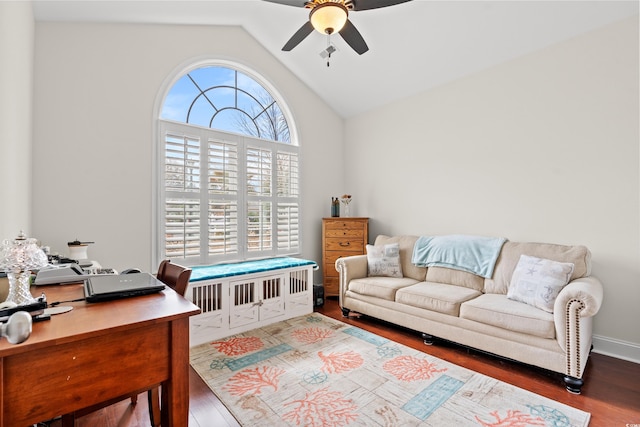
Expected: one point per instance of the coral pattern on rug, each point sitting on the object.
(322, 408)
(235, 346)
(254, 380)
(314, 371)
(335, 363)
(408, 368)
(312, 335)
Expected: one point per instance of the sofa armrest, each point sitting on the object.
(587, 292)
(573, 311)
(349, 268)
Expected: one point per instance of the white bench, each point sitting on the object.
(242, 296)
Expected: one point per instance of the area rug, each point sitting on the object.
(315, 371)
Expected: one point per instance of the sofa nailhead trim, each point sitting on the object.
(576, 320)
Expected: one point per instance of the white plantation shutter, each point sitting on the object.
(182, 225)
(259, 227)
(182, 180)
(287, 174)
(222, 162)
(288, 211)
(223, 227)
(182, 163)
(259, 193)
(259, 171)
(227, 197)
(222, 166)
(288, 226)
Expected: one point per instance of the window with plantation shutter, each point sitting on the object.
(230, 184)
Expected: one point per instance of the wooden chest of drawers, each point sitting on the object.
(341, 237)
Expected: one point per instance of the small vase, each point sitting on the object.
(346, 211)
(335, 207)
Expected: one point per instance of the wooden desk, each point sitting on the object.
(97, 352)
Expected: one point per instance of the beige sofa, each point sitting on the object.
(474, 311)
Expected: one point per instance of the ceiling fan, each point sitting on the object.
(331, 16)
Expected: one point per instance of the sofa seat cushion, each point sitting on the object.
(380, 287)
(498, 310)
(439, 297)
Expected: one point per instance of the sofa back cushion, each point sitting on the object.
(406, 244)
(455, 277)
(510, 255)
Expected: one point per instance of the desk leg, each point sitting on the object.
(2, 391)
(175, 391)
(69, 420)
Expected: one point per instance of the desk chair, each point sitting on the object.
(177, 278)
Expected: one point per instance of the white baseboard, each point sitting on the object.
(616, 348)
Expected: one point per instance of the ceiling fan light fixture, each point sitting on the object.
(328, 18)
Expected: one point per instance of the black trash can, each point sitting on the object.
(318, 295)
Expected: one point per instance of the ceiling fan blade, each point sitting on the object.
(372, 4)
(352, 36)
(300, 35)
(296, 3)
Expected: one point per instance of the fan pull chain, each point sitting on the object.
(328, 49)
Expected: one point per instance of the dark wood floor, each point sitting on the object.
(611, 392)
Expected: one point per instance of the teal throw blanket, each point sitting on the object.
(475, 254)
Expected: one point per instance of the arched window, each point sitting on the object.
(229, 171)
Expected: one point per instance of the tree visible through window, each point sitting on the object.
(230, 174)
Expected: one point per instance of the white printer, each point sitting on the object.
(68, 273)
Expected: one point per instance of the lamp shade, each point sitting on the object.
(21, 254)
(328, 18)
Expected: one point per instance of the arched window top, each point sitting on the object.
(223, 98)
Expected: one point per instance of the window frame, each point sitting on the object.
(159, 192)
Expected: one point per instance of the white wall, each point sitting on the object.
(543, 148)
(95, 87)
(16, 83)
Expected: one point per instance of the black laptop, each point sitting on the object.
(115, 286)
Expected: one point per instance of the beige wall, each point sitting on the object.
(16, 81)
(542, 148)
(95, 87)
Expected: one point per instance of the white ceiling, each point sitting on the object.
(412, 46)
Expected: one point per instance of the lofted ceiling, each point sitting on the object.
(413, 46)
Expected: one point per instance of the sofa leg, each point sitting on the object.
(345, 312)
(574, 385)
(428, 339)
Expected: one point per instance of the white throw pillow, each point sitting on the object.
(384, 260)
(538, 281)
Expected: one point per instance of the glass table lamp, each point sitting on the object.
(17, 258)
